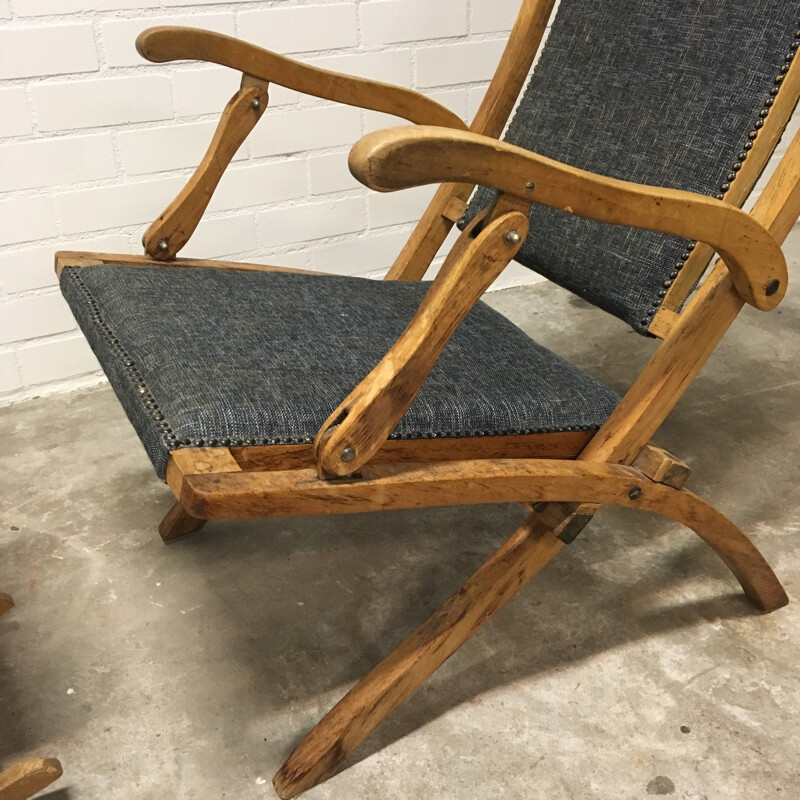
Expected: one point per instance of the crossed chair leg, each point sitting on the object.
(551, 525)
(532, 545)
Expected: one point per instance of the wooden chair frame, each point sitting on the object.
(353, 467)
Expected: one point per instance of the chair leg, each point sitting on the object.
(396, 678)
(24, 779)
(177, 523)
(740, 555)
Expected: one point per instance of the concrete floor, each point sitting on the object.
(631, 667)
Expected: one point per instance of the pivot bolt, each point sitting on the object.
(163, 245)
(530, 186)
(512, 237)
(255, 104)
(635, 493)
(772, 287)
(348, 455)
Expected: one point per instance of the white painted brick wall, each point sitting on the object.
(94, 142)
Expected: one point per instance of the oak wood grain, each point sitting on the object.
(232, 494)
(512, 70)
(399, 675)
(80, 258)
(563, 445)
(398, 158)
(172, 229)
(197, 461)
(662, 467)
(361, 424)
(178, 522)
(26, 778)
(168, 43)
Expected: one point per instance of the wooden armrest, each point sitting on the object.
(169, 43)
(398, 158)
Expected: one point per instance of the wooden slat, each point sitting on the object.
(78, 258)
(298, 492)
(532, 445)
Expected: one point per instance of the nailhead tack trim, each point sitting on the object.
(172, 441)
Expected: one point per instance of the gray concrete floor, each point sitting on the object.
(631, 667)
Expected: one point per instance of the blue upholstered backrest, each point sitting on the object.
(665, 92)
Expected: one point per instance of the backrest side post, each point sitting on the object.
(490, 120)
(764, 142)
(695, 335)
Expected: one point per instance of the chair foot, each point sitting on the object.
(741, 556)
(177, 523)
(24, 779)
(6, 603)
(396, 678)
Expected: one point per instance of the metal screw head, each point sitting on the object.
(772, 287)
(530, 186)
(635, 493)
(348, 455)
(163, 245)
(512, 237)
(255, 104)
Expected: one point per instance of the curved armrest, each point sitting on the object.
(398, 158)
(169, 43)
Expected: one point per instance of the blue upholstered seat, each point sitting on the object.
(211, 356)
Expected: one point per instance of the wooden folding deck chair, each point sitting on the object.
(259, 391)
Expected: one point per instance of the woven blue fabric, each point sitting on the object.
(214, 357)
(664, 92)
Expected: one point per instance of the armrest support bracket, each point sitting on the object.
(173, 228)
(361, 424)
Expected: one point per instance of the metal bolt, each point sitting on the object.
(255, 104)
(635, 493)
(348, 455)
(512, 237)
(772, 287)
(163, 245)
(530, 186)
